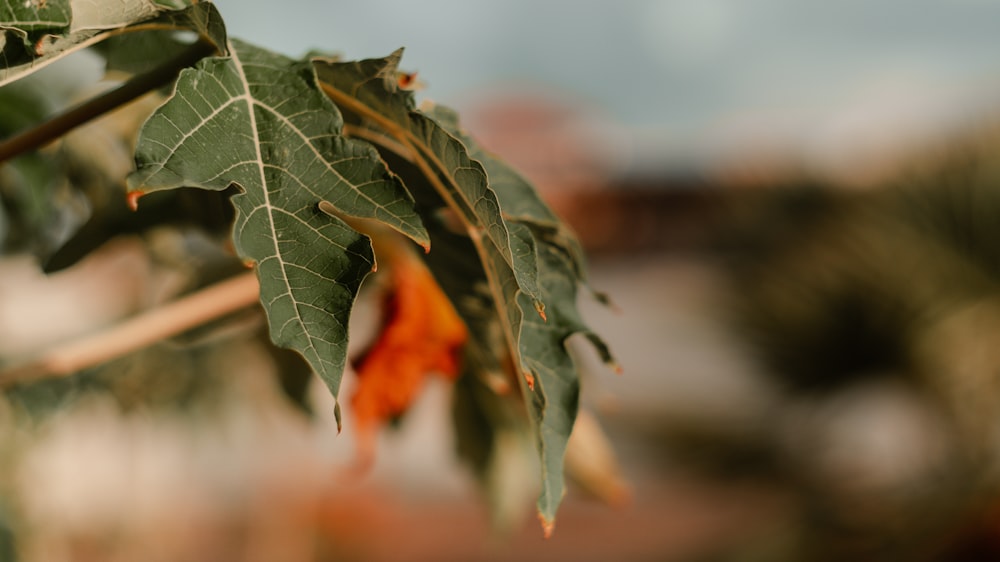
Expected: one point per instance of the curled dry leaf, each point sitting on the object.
(421, 334)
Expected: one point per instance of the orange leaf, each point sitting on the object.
(421, 334)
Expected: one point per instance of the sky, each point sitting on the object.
(700, 74)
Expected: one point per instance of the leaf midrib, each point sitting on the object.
(269, 208)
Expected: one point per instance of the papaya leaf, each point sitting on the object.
(201, 18)
(296, 139)
(553, 397)
(543, 368)
(549, 381)
(538, 261)
(44, 32)
(556, 394)
(370, 89)
(519, 200)
(60, 16)
(283, 148)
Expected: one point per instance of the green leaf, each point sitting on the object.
(295, 139)
(498, 290)
(537, 233)
(33, 15)
(553, 404)
(370, 89)
(31, 40)
(519, 200)
(285, 149)
(159, 39)
(539, 345)
(281, 144)
(135, 53)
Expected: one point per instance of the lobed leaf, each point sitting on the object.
(483, 281)
(275, 128)
(552, 395)
(283, 148)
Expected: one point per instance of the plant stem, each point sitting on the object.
(61, 124)
(140, 331)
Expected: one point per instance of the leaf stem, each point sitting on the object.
(139, 331)
(61, 124)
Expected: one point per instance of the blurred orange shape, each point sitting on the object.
(421, 334)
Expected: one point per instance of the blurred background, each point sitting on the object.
(795, 208)
(681, 84)
(721, 160)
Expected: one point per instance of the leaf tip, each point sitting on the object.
(132, 199)
(408, 81)
(337, 416)
(540, 308)
(548, 526)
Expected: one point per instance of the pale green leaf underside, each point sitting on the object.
(70, 16)
(95, 14)
(62, 28)
(257, 120)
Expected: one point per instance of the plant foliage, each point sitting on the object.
(326, 156)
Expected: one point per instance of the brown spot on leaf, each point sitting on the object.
(530, 379)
